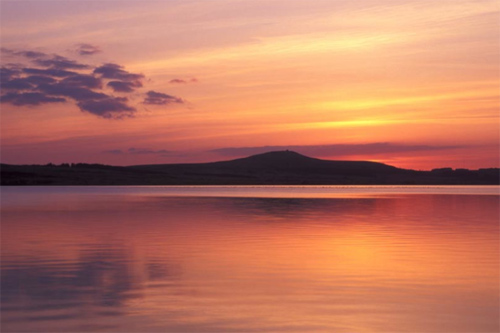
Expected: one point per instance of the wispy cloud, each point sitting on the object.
(87, 49)
(109, 107)
(156, 98)
(59, 62)
(124, 86)
(184, 81)
(29, 98)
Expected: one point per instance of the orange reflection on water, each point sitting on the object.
(414, 263)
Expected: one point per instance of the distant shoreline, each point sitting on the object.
(274, 168)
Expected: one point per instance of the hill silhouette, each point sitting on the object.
(272, 168)
(290, 160)
(277, 162)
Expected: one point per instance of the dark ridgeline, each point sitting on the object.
(273, 168)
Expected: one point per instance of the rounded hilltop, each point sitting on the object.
(288, 160)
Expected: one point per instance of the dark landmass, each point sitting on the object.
(273, 168)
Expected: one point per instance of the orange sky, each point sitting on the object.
(414, 84)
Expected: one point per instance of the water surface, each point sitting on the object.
(214, 259)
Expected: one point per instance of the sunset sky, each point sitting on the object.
(411, 83)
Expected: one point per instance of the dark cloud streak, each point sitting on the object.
(110, 107)
(156, 98)
(87, 49)
(124, 86)
(59, 62)
(83, 80)
(27, 54)
(182, 81)
(29, 98)
(49, 72)
(75, 92)
(8, 73)
(114, 71)
(41, 59)
(17, 84)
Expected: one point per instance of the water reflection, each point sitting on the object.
(98, 275)
(418, 263)
(98, 283)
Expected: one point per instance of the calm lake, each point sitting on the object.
(250, 259)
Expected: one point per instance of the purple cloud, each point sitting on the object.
(40, 79)
(75, 92)
(87, 49)
(55, 79)
(29, 98)
(182, 81)
(26, 83)
(114, 71)
(83, 80)
(124, 86)
(8, 73)
(111, 107)
(16, 84)
(178, 81)
(49, 72)
(156, 98)
(59, 62)
(27, 54)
